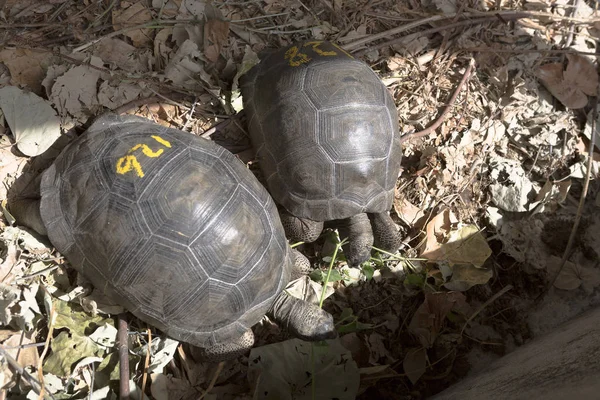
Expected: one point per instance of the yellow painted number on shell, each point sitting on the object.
(297, 58)
(315, 46)
(129, 162)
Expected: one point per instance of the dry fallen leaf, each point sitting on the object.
(466, 276)
(121, 54)
(415, 364)
(216, 33)
(572, 87)
(27, 67)
(75, 92)
(436, 231)
(466, 245)
(407, 211)
(32, 120)
(430, 316)
(134, 15)
(573, 275)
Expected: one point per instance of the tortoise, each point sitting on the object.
(176, 229)
(325, 131)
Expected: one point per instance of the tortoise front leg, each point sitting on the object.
(229, 350)
(360, 238)
(25, 206)
(386, 234)
(301, 265)
(300, 229)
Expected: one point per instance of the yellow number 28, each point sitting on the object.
(129, 162)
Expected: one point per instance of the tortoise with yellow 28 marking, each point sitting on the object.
(174, 228)
(325, 130)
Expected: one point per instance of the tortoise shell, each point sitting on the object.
(172, 226)
(325, 130)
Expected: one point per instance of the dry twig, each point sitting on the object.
(450, 104)
(123, 349)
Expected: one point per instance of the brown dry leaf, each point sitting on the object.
(429, 317)
(377, 349)
(436, 230)
(356, 346)
(27, 357)
(27, 67)
(407, 211)
(582, 73)
(121, 54)
(115, 94)
(162, 52)
(573, 275)
(415, 364)
(571, 87)
(216, 33)
(134, 15)
(75, 92)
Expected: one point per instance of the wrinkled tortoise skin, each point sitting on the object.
(121, 203)
(325, 129)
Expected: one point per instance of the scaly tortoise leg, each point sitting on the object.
(300, 229)
(229, 350)
(360, 238)
(386, 235)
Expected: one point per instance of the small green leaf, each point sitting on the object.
(321, 276)
(415, 280)
(368, 270)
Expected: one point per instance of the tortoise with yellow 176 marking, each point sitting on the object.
(175, 229)
(325, 130)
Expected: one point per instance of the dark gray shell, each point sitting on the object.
(325, 129)
(194, 247)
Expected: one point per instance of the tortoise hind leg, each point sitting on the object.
(360, 238)
(386, 234)
(300, 229)
(229, 350)
(25, 206)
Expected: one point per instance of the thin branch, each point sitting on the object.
(449, 106)
(584, 191)
(484, 305)
(490, 16)
(16, 367)
(123, 349)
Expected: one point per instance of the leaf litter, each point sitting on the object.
(488, 199)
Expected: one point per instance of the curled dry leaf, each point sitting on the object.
(436, 231)
(216, 33)
(572, 87)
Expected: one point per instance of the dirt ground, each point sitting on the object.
(500, 202)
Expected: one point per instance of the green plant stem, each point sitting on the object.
(337, 247)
